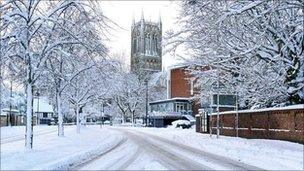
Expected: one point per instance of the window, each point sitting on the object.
(224, 100)
(45, 115)
(179, 107)
(191, 87)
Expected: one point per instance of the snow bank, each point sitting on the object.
(266, 154)
(56, 153)
(300, 106)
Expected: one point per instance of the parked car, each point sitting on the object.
(182, 123)
(52, 122)
(107, 122)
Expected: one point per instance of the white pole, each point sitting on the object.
(218, 107)
(210, 122)
(237, 115)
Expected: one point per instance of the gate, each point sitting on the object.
(202, 121)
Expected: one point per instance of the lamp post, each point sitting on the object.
(148, 73)
(147, 101)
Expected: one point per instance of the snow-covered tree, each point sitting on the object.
(257, 46)
(127, 93)
(29, 31)
(158, 86)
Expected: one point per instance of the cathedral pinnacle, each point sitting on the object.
(142, 14)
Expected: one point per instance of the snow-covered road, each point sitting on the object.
(142, 151)
(140, 148)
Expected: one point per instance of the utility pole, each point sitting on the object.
(10, 106)
(218, 107)
(210, 122)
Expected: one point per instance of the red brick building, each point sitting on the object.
(181, 84)
(179, 103)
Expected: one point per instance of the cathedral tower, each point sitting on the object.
(146, 49)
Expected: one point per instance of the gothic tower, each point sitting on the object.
(146, 49)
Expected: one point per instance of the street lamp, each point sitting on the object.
(147, 95)
(146, 79)
(217, 90)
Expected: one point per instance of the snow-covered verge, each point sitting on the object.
(266, 154)
(51, 152)
(13, 131)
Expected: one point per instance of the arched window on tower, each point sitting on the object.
(151, 44)
(154, 44)
(137, 42)
(147, 43)
(134, 45)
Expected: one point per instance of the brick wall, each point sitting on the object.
(180, 87)
(287, 124)
(16, 120)
(3, 120)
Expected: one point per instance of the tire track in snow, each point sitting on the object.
(87, 163)
(220, 160)
(167, 158)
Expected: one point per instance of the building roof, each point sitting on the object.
(178, 65)
(6, 111)
(172, 99)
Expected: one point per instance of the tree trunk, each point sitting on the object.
(123, 118)
(29, 115)
(133, 117)
(60, 116)
(132, 120)
(77, 119)
(29, 91)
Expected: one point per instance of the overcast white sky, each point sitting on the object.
(122, 13)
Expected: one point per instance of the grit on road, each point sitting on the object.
(143, 151)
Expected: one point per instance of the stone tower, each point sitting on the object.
(146, 49)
